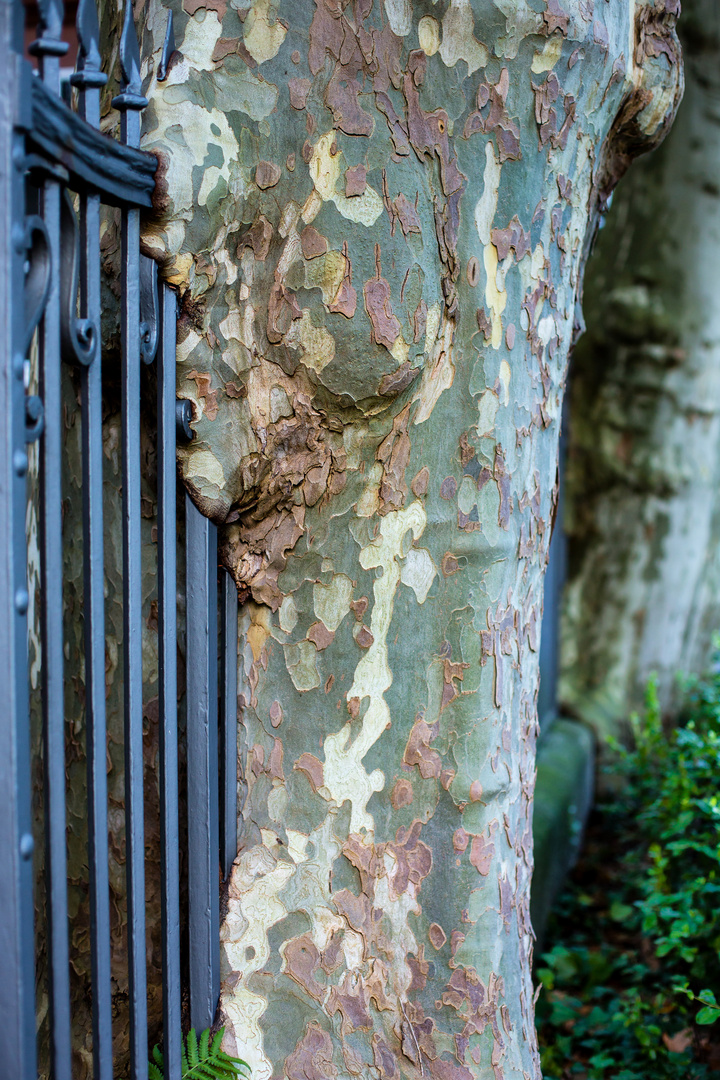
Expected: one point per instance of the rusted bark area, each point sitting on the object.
(377, 217)
(644, 463)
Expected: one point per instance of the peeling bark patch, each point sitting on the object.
(437, 935)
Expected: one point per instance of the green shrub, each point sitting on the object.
(629, 989)
(201, 1060)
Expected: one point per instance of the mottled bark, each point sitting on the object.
(377, 219)
(644, 462)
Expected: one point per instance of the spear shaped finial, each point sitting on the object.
(89, 59)
(49, 43)
(167, 50)
(130, 96)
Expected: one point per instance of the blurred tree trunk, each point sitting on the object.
(643, 503)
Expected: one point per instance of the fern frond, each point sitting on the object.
(202, 1060)
(191, 1045)
(156, 1066)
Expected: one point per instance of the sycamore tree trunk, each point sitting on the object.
(644, 462)
(377, 217)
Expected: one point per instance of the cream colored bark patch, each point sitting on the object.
(253, 908)
(487, 411)
(495, 299)
(345, 776)
(317, 345)
(458, 37)
(288, 615)
(399, 13)
(201, 36)
(326, 273)
(326, 170)
(418, 572)
(263, 33)
(437, 375)
(547, 58)
(487, 203)
(429, 35)
(202, 464)
(332, 602)
(301, 662)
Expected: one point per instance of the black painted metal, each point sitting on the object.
(167, 633)
(57, 253)
(17, 985)
(49, 49)
(88, 80)
(202, 764)
(130, 102)
(167, 50)
(228, 721)
(123, 174)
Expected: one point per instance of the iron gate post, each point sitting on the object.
(17, 990)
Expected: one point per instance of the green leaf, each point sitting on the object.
(708, 1015)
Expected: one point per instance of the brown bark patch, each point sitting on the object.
(267, 174)
(312, 1057)
(384, 1059)
(299, 90)
(482, 851)
(437, 935)
(312, 243)
(355, 180)
(385, 326)
(302, 960)
(401, 794)
(418, 750)
(419, 483)
(320, 636)
(313, 769)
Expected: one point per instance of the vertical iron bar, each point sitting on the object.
(202, 765)
(167, 627)
(130, 102)
(50, 48)
(17, 985)
(228, 720)
(132, 623)
(88, 81)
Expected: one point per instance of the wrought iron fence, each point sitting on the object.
(50, 299)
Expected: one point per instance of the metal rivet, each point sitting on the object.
(20, 462)
(27, 846)
(21, 601)
(18, 365)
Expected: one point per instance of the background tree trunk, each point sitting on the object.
(643, 474)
